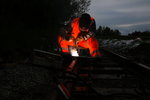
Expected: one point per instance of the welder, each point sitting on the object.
(80, 32)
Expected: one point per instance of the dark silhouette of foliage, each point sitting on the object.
(107, 32)
(35, 23)
(145, 35)
(140, 34)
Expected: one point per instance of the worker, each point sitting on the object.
(80, 33)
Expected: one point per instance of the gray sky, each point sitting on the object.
(124, 15)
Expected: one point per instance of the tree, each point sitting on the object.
(25, 23)
(80, 6)
(107, 32)
(145, 34)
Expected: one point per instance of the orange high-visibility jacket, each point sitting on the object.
(91, 43)
(75, 26)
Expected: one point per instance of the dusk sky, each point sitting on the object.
(124, 15)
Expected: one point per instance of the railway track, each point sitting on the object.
(44, 77)
(110, 77)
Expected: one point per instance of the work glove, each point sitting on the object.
(84, 36)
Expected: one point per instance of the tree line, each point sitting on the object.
(107, 32)
(140, 34)
(35, 23)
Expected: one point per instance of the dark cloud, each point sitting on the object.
(122, 14)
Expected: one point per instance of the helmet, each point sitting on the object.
(85, 21)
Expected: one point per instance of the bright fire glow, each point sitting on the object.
(74, 52)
